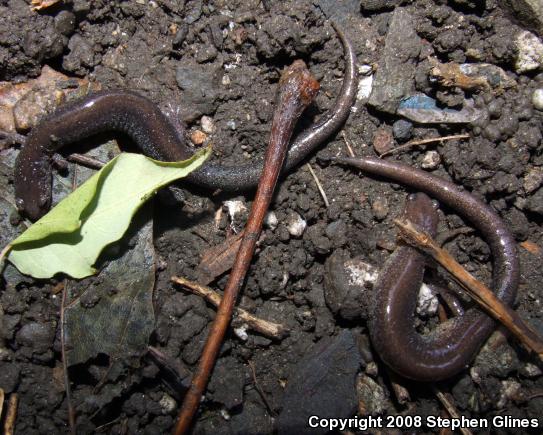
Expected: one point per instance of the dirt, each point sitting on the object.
(223, 59)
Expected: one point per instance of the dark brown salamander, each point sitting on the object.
(155, 135)
(451, 346)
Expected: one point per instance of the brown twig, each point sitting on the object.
(269, 329)
(297, 90)
(319, 186)
(413, 143)
(67, 387)
(451, 409)
(11, 414)
(1, 401)
(477, 290)
(348, 144)
(87, 161)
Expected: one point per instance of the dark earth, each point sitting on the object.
(222, 59)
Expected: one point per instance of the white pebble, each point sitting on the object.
(234, 208)
(431, 160)
(537, 99)
(271, 220)
(530, 52)
(427, 302)
(296, 225)
(231, 124)
(361, 273)
(167, 403)
(208, 126)
(241, 332)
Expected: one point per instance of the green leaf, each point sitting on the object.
(70, 237)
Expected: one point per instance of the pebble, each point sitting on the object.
(235, 208)
(402, 129)
(271, 220)
(198, 137)
(533, 179)
(380, 208)
(296, 225)
(383, 140)
(65, 22)
(208, 126)
(167, 403)
(530, 52)
(325, 374)
(427, 302)
(371, 396)
(537, 99)
(431, 160)
(241, 332)
(346, 284)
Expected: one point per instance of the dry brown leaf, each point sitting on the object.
(531, 247)
(38, 5)
(218, 259)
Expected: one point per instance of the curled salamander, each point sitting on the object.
(451, 346)
(156, 136)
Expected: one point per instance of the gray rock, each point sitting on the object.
(65, 22)
(323, 383)
(530, 12)
(395, 75)
(402, 129)
(200, 86)
(346, 285)
(81, 55)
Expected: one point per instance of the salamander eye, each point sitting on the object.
(412, 197)
(435, 204)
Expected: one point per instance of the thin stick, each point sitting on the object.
(259, 390)
(1, 401)
(11, 414)
(451, 409)
(67, 387)
(87, 161)
(4, 252)
(413, 143)
(477, 290)
(269, 329)
(319, 186)
(348, 144)
(297, 90)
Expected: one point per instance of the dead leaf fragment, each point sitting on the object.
(38, 5)
(115, 316)
(531, 247)
(218, 259)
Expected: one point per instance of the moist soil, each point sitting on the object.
(223, 60)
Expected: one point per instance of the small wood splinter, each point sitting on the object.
(269, 329)
(477, 290)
